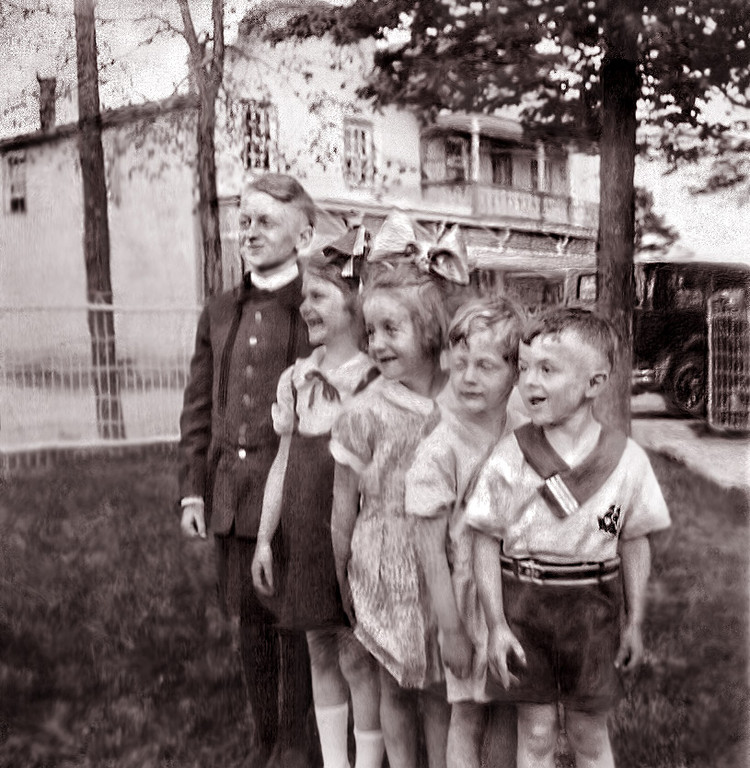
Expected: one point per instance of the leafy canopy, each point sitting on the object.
(547, 57)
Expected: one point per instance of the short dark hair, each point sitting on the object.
(285, 189)
(591, 327)
(499, 315)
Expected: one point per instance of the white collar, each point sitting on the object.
(354, 363)
(275, 280)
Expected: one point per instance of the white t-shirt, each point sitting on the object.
(506, 505)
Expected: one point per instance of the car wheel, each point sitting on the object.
(687, 385)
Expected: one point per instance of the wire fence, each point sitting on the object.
(92, 375)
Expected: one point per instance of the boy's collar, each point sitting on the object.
(278, 279)
(566, 488)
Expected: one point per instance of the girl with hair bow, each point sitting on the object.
(373, 443)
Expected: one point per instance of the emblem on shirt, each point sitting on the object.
(610, 520)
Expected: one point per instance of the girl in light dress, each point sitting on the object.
(294, 566)
(373, 443)
(482, 358)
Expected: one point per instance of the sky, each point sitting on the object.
(130, 71)
(710, 226)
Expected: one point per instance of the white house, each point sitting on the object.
(293, 108)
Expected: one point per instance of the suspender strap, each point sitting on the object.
(566, 488)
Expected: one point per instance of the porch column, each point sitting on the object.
(541, 161)
(474, 161)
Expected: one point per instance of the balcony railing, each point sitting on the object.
(489, 200)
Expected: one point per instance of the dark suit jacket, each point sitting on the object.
(245, 339)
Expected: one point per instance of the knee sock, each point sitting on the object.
(370, 749)
(333, 722)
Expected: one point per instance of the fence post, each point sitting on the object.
(106, 380)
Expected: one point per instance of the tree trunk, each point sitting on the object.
(207, 72)
(620, 88)
(96, 229)
(208, 201)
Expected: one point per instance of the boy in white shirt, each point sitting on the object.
(564, 507)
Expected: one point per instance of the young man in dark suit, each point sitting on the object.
(246, 337)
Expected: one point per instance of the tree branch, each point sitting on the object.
(165, 25)
(196, 50)
(217, 57)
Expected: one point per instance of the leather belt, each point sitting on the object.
(559, 574)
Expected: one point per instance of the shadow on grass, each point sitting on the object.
(113, 652)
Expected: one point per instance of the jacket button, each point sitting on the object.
(249, 371)
(252, 341)
(258, 317)
(242, 453)
(246, 400)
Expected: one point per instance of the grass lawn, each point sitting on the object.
(113, 651)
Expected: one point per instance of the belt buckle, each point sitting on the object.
(533, 570)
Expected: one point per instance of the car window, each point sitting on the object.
(689, 290)
(639, 276)
(586, 290)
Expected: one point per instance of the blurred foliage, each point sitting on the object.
(547, 55)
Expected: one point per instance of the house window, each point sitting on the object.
(556, 177)
(455, 159)
(502, 169)
(259, 152)
(534, 174)
(15, 181)
(358, 154)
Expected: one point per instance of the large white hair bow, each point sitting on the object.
(446, 256)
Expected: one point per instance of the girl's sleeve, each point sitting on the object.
(352, 438)
(430, 485)
(282, 411)
(647, 511)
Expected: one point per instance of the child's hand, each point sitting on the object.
(457, 651)
(193, 522)
(630, 655)
(262, 569)
(502, 642)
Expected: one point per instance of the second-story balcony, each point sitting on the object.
(508, 203)
(482, 166)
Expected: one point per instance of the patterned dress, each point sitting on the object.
(308, 402)
(377, 436)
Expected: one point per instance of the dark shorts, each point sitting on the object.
(571, 636)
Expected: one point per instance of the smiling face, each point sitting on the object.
(481, 379)
(393, 341)
(324, 309)
(559, 375)
(271, 232)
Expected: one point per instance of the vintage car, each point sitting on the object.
(670, 326)
(670, 321)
